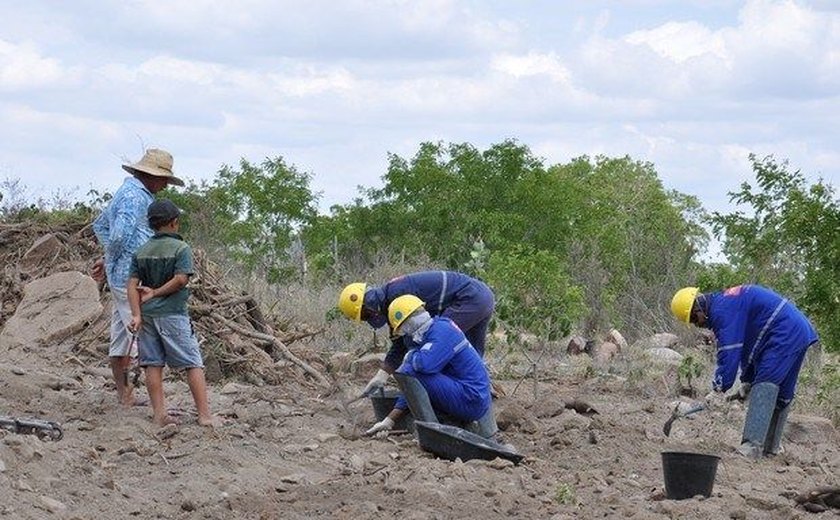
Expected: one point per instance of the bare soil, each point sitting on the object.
(288, 451)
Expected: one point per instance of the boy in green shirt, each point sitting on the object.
(159, 312)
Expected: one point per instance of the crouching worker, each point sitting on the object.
(164, 332)
(766, 337)
(442, 377)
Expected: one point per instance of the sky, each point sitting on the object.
(334, 86)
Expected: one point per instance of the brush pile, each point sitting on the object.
(238, 340)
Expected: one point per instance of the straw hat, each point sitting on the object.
(157, 163)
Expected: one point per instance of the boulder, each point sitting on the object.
(605, 352)
(808, 429)
(42, 251)
(666, 356)
(52, 309)
(576, 346)
(660, 340)
(367, 365)
(615, 337)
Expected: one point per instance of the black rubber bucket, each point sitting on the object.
(688, 474)
(383, 402)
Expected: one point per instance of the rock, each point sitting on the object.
(545, 409)
(663, 355)
(233, 388)
(188, 505)
(510, 415)
(573, 420)
(340, 362)
(324, 437)
(615, 337)
(42, 251)
(576, 346)
(212, 368)
(605, 352)
(18, 371)
(52, 309)
(807, 429)
(52, 505)
(2, 467)
(660, 340)
(367, 365)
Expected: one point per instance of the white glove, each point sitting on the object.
(742, 393)
(714, 400)
(378, 381)
(382, 426)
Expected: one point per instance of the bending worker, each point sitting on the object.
(441, 372)
(766, 337)
(468, 302)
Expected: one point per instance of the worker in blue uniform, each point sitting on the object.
(765, 337)
(441, 373)
(468, 302)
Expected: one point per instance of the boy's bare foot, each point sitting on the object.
(135, 401)
(166, 419)
(212, 421)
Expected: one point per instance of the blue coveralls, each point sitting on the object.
(761, 333)
(465, 300)
(450, 370)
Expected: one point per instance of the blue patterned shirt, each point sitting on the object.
(122, 228)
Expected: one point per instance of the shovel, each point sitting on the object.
(677, 414)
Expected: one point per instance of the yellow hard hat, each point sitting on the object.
(682, 302)
(351, 299)
(401, 308)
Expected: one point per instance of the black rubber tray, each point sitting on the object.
(451, 442)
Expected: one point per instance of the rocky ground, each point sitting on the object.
(289, 451)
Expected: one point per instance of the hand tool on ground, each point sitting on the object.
(677, 414)
(43, 429)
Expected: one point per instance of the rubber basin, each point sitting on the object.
(383, 402)
(688, 474)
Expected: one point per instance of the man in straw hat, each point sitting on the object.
(121, 229)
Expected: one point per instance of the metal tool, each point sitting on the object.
(26, 426)
(677, 414)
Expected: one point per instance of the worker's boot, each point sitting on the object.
(757, 423)
(486, 426)
(773, 442)
(417, 397)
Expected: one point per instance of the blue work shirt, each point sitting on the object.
(466, 300)
(450, 369)
(122, 228)
(754, 325)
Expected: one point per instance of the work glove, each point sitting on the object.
(376, 383)
(742, 393)
(382, 426)
(715, 400)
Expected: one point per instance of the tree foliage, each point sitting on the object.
(600, 239)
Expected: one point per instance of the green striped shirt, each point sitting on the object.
(157, 262)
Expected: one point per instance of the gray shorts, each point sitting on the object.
(169, 340)
(120, 319)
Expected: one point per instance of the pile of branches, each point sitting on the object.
(78, 247)
(238, 340)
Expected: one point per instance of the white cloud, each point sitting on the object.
(682, 41)
(532, 64)
(23, 67)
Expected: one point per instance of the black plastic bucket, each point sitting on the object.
(688, 474)
(383, 402)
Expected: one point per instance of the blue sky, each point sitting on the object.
(334, 86)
